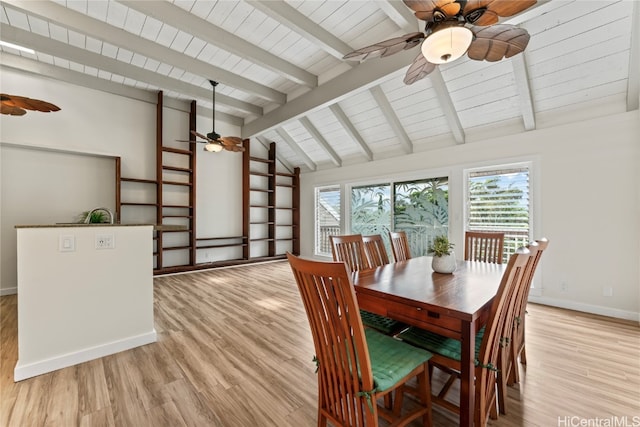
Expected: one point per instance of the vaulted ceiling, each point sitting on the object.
(282, 76)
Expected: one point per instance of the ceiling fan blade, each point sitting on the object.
(199, 135)
(423, 9)
(509, 7)
(27, 103)
(497, 42)
(11, 110)
(229, 141)
(387, 47)
(418, 69)
(236, 148)
(487, 18)
(494, 9)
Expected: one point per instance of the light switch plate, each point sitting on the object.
(67, 243)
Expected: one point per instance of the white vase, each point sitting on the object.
(444, 264)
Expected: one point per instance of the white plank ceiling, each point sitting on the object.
(282, 76)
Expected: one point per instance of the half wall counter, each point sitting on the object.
(84, 291)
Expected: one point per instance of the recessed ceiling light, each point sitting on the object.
(18, 47)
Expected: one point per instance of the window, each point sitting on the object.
(371, 209)
(327, 218)
(498, 199)
(421, 209)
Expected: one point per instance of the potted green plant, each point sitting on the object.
(444, 258)
(97, 217)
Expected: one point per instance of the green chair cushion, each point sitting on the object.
(381, 323)
(391, 359)
(435, 343)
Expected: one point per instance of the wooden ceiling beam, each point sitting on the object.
(351, 130)
(313, 131)
(519, 63)
(81, 79)
(392, 118)
(361, 77)
(400, 14)
(446, 103)
(101, 62)
(205, 30)
(100, 30)
(290, 17)
(296, 148)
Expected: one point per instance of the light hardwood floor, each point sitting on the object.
(234, 349)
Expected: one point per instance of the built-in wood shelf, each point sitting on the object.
(177, 151)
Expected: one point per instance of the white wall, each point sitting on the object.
(586, 191)
(82, 138)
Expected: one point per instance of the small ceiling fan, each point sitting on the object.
(453, 28)
(14, 105)
(213, 141)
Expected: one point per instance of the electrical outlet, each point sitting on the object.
(105, 241)
(607, 291)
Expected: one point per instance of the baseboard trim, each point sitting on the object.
(23, 371)
(8, 291)
(587, 308)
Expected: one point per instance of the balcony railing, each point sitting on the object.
(420, 237)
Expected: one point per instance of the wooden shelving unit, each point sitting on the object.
(269, 224)
(260, 195)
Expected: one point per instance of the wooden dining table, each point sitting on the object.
(455, 305)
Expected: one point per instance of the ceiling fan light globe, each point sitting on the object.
(447, 44)
(213, 147)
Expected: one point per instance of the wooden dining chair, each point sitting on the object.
(518, 344)
(350, 249)
(483, 246)
(447, 351)
(375, 250)
(399, 245)
(357, 366)
(506, 359)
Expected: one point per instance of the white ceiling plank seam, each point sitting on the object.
(633, 85)
(351, 130)
(446, 103)
(180, 18)
(114, 66)
(287, 15)
(296, 148)
(392, 118)
(524, 90)
(335, 158)
(116, 36)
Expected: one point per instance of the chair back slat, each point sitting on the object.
(399, 245)
(350, 250)
(483, 246)
(375, 250)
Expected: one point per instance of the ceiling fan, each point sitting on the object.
(14, 105)
(213, 141)
(453, 28)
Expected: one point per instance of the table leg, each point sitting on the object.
(467, 380)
